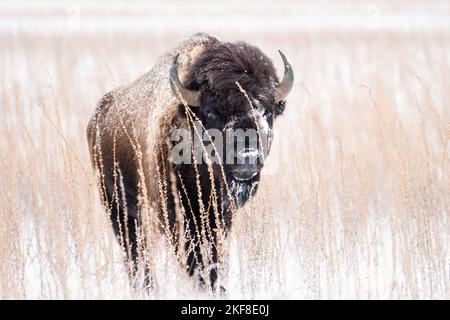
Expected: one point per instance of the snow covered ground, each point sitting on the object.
(355, 202)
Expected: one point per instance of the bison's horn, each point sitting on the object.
(285, 86)
(191, 97)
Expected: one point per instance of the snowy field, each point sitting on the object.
(355, 201)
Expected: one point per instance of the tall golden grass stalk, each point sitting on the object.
(354, 201)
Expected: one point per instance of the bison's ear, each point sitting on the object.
(179, 118)
(181, 113)
(279, 108)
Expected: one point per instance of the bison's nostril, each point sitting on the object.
(242, 175)
(248, 156)
(248, 153)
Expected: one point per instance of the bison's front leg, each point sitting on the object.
(213, 272)
(125, 229)
(123, 213)
(197, 262)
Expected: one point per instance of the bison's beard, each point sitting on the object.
(231, 192)
(240, 190)
(243, 190)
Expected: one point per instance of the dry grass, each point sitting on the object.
(355, 202)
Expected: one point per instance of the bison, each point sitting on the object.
(201, 84)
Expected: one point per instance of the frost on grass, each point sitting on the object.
(356, 203)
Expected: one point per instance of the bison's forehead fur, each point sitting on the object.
(221, 65)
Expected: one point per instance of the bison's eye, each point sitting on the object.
(211, 116)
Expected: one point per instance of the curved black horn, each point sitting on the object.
(191, 97)
(285, 86)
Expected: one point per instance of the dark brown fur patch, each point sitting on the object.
(217, 69)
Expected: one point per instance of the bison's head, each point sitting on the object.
(233, 89)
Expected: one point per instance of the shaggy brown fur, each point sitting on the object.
(140, 114)
(219, 68)
(129, 140)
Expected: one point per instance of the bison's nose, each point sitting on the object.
(248, 163)
(248, 155)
